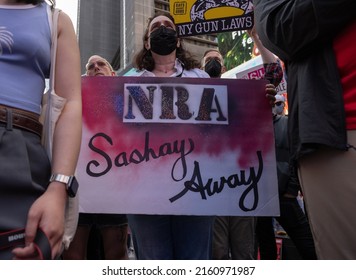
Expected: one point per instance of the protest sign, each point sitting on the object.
(196, 17)
(183, 146)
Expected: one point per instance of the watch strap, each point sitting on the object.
(60, 178)
(69, 181)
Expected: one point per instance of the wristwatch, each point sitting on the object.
(70, 182)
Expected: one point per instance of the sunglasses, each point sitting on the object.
(279, 103)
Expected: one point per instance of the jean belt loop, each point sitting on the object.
(8, 119)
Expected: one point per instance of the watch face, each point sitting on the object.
(73, 187)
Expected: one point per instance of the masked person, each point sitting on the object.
(169, 236)
(279, 105)
(213, 63)
(233, 236)
(292, 222)
(292, 218)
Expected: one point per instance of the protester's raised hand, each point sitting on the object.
(270, 93)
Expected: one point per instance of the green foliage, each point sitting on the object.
(236, 48)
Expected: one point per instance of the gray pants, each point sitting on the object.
(24, 174)
(234, 238)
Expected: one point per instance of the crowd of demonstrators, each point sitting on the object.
(108, 230)
(170, 236)
(318, 49)
(25, 178)
(315, 143)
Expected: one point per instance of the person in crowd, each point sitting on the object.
(99, 66)
(234, 236)
(317, 49)
(163, 55)
(111, 227)
(292, 217)
(169, 236)
(25, 58)
(213, 63)
(279, 105)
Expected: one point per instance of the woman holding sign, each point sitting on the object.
(169, 236)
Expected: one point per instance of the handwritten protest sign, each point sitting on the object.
(184, 146)
(196, 17)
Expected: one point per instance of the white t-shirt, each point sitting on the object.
(180, 72)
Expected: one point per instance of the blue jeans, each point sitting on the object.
(169, 237)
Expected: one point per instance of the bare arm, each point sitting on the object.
(267, 58)
(267, 55)
(67, 136)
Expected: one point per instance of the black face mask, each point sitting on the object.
(213, 68)
(163, 40)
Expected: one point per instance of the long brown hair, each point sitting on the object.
(144, 60)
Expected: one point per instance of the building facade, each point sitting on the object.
(99, 29)
(114, 30)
